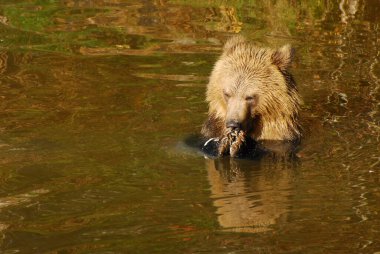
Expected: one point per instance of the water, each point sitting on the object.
(97, 96)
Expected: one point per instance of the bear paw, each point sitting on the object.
(231, 143)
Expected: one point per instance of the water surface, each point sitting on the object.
(96, 98)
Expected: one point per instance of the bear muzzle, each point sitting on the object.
(233, 124)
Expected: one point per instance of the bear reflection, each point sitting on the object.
(250, 196)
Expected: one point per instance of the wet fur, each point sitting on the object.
(243, 66)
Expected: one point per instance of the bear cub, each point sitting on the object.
(252, 98)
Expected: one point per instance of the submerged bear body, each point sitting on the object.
(252, 98)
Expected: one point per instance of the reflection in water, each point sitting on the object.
(21, 198)
(348, 9)
(16, 200)
(250, 196)
(3, 62)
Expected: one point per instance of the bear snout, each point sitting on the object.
(233, 124)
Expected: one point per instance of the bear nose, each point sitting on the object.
(233, 124)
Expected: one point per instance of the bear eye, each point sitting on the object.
(227, 95)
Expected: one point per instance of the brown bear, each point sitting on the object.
(251, 95)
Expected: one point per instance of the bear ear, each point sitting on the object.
(232, 42)
(283, 57)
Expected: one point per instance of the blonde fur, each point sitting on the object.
(244, 70)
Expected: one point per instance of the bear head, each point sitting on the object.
(251, 89)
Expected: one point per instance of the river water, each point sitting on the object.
(97, 97)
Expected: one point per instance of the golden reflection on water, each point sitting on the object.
(250, 196)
